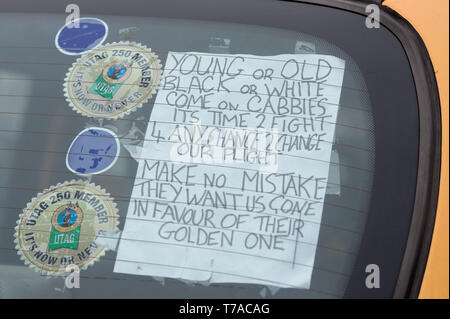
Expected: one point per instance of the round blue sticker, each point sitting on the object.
(93, 151)
(73, 39)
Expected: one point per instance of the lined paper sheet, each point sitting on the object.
(233, 172)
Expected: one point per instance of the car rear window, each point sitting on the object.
(257, 150)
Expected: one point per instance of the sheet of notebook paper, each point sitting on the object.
(232, 175)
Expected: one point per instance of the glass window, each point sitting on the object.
(277, 158)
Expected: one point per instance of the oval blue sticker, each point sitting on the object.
(93, 151)
(73, 39)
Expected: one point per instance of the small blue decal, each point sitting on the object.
(90, 34)
(93, 151)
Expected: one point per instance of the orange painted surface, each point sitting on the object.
(431, 21)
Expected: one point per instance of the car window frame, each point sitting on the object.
(429, 156)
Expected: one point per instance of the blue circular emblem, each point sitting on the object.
(81, 35)
(93, 151)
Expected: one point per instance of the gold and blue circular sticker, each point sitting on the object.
(112, 80)
(59, 227)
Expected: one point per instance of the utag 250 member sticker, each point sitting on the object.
(112, 80)
(59, 227)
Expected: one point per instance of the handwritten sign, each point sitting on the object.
(232, 176)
